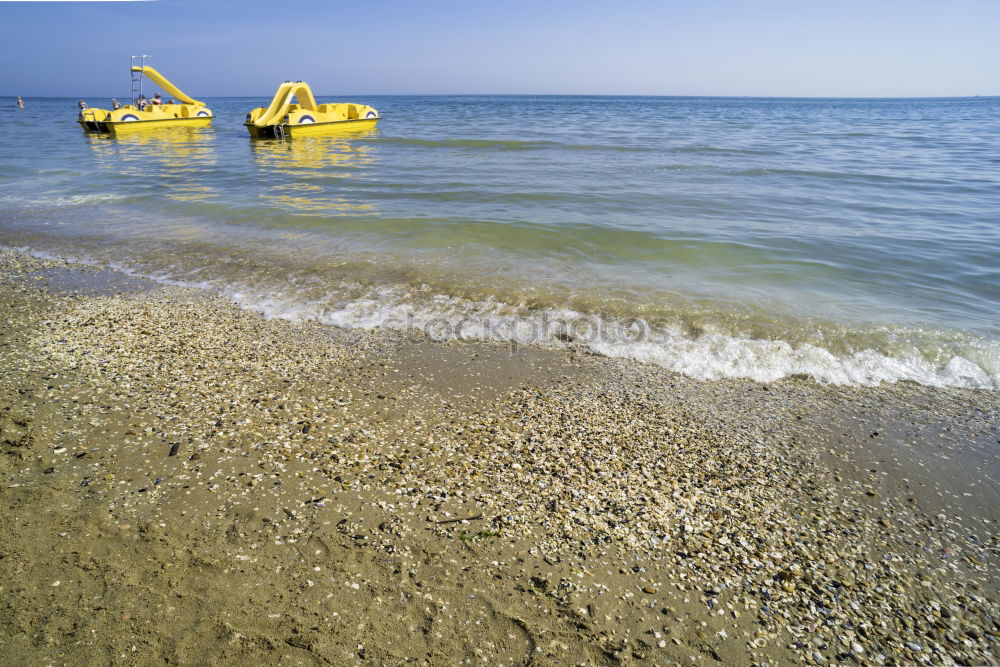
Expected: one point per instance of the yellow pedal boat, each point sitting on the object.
(189, 112)
(302, 118)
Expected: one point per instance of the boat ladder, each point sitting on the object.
(137, 77)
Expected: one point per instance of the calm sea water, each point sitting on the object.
(852, 241)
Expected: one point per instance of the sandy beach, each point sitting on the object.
(186, 482)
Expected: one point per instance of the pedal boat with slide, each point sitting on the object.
(304, 117)
(189, 112)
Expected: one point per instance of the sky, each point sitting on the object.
(793, 48)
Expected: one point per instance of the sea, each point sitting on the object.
(850, 241)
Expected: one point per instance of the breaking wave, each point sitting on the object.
(924, 358)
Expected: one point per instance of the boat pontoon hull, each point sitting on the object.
(133, 120)
(311, 129)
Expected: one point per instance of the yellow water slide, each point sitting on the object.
(165, 84)
(283, 101)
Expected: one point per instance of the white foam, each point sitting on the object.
(706, 356)
(712, 356)
(62, 200)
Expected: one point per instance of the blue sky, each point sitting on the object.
(642, 47)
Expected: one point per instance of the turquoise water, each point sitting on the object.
(852, 241)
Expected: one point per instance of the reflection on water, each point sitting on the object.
(176, 158)
(313, 175)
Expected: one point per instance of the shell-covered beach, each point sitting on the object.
(188, 481)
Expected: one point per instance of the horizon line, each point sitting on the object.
(759, 97)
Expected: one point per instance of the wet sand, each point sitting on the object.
(186, 482)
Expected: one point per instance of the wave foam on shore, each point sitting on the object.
(707, 355)
(852, 357)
